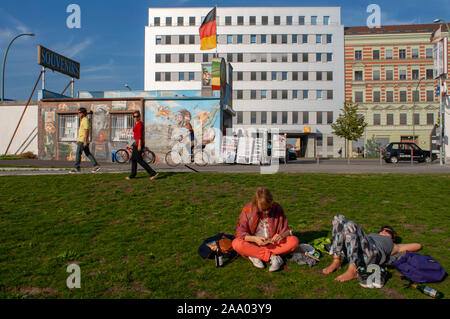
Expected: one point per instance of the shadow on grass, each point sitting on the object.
(305, 237)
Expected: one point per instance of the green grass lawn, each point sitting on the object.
(139, 239)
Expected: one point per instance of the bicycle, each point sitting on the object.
(123, 155)
(174, 157)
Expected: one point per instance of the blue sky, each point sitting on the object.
(110, 43)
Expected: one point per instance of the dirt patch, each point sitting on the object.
(267, 289)
(139, 287)
(414, 228)
(392, 293)
(33, 291)
(324, 201)
(385, 202)
(116, 221)
(205, 294)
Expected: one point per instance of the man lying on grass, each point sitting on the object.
(351, 243)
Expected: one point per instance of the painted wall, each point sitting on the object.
(9, 118)
(50, 148)
(165, 121)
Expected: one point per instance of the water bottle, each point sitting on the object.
(219, 256)
(436, 294)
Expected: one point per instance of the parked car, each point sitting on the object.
(292, 155)
(401, 151)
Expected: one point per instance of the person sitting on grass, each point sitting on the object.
(262, 233)
(349, 242)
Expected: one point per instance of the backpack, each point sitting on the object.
(420, 268)
(209, 246)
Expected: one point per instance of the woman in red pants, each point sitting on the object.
(262, 233)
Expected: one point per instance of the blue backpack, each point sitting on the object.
(420, 268)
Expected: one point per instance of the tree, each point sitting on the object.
(349, 125)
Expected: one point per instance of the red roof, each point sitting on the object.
(411, 28)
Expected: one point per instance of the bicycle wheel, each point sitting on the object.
(149, 156)
(173, 159)
(122, 156)
(201, 158)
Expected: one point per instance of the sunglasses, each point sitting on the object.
(136, 117)
(387, 231)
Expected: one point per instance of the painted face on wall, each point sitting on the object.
(50, 128)
(100, 118)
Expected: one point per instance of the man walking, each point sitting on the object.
(138, 148)
(83, 143)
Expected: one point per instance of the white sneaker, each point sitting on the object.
(96, 169)
(256, 262)
(275, 262)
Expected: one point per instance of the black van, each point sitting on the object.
(400, 151)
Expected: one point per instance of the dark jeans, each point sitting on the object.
(80, 150)
(136, 157)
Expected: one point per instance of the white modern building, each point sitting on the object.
(288, 65)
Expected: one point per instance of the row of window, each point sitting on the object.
(287, 118)
(249, 39)
(402, 96)
(241, 20)
(283, 94)
(283, 76)
(402, 54)
(245, 58)
(389, 75)
(403, 119)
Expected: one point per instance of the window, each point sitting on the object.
(284, 57)
(376, 54)
(376, 96)
(415, 95)
(429, 53)
(181, 76)
(389, 75)
(263, 76)
(304, 38)
(301, 20)
(227, 20)
(318, 57)
(390, 119)
(430, 95)
(416, 119)
(329, 38)
(403, 118)
(181, 58)
(263, 94)
(329, 57)
(168, 21)
(121, 127)
(191, 21)
(294, 117)
(305, 117)
(274, 95)
(389, 96)
(314, 20)
(240, 57)
(376, 119)
(305, 94)
(402, 75)
(264, 20)
(240, 20)
(180, 21)
(376, 75)
(430, 119)
(191, 57)
(415, 53)
(389, 54)
(239, 94)
(294, 94)
(181, 39)
(326, 20)
(402, 96)
(358, 75)
(284, 117)
(229, 57)
(330, 141)
(157, 21)
(68, 127)
(284, 38)
(239, 38)
(276, 20)
(305, 57)
(284, 94)
(402, 54)
(319, 140)
(168, 39)
(430, 74)
(253, 117)
(192, 39)
(263, 117)
(329, 76)
(294, 57)
(318, 38)
(274, 76)
(289, 20)
(294, 76)
(229, 39)
(284, 76)
(191, 76)
(168, 59)
(359, 97)
(329, 117)
(252, 20)
(305, 76)
(358, 55)
(157, 76)
(319, 94)
(158, 58)
(329, 94)
(274, 38)
(318, 76)
(253, 38)
(158, 39)
(263, 38)
(240, 117)
(319, 117)
(167, 76)
(274, 117)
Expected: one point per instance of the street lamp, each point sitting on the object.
(414, 106)
(4, 60)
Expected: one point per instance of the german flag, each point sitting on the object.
(208, 31)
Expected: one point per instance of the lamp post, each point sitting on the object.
(414, 106)
(4, 60)
(441, 118)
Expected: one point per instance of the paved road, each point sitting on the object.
(337, 166)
